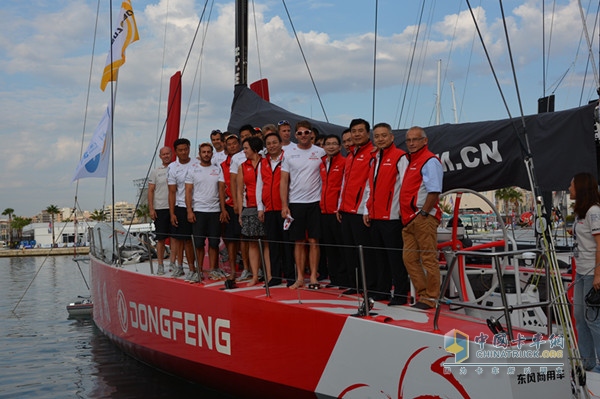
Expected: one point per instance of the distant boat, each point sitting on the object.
(81, 307)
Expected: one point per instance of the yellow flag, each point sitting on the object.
(125, 34)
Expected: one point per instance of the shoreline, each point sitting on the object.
(11, 253)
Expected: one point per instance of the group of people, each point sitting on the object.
(332, 216)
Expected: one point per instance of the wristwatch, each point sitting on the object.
(423, 213)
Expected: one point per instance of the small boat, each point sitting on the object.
(82, 307)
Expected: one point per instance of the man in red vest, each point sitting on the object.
(421, 215)
(332, 174)
(383, 214)
(352, 206)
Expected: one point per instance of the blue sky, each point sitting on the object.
(46, 53)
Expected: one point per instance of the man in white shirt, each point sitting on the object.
(300, 195)
(158, 204)
(220, 152)
(182, 229)
(204, 209)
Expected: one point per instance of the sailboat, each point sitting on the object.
(272, 342)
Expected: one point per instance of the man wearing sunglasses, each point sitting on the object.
(300, 190)
(285, 132)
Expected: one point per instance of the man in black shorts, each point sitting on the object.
(158, 204)
(182, 229)
(300, 195)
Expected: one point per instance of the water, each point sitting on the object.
(43, 354)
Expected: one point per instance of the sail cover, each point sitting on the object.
(480, 156)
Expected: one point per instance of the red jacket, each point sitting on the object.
(384, 185)
(332, 183)
(413, 192)
(355, 179)
(225, 167)
(271, 179)
(249, 174)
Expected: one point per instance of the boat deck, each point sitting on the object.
(332, 300)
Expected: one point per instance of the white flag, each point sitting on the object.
(94, 162)
(125, 34)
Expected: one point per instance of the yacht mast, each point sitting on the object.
(241, 42)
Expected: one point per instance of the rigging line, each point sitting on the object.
(412, 57)
(165, 123)
(589, 44)
(581, 95)
(305, 61)
(545, 65)
(512, 65)
(197, 73)
(87, 98)
(374, 63)
(487, 54)
(464, 96)
(451, 49)
(162, 76)
(257, 41)
(416, 88)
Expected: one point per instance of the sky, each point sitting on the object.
(52, 54)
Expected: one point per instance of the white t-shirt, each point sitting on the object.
(584, 231)
(176, 176)
(218, 157)
(205, 179)
(158, 177)
(236, 161)
(305, 177)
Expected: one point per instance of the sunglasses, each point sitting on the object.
(283, 122)
(302, 133)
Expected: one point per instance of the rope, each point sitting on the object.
(305, 61)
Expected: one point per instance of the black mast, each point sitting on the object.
(241, 42)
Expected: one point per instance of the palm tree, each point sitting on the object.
(143, 211)
(509, 195)
(98, 215)
(18, 223)
(53, 210)
(9, 212)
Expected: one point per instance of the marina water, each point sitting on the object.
(44, 354)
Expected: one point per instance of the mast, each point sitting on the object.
(241, 42)
(438, 104)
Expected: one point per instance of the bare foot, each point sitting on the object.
(252, 282)
(297, 284)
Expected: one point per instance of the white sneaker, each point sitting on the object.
(177, 271)
(222, 273)
(161, 270)
(246, 275)
(194, 278)
(215, 275)
(189, 275)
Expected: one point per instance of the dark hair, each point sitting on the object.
(250, 128)
(255, 143)
(586, 193)
(332, 136)
(217, 132)
(180, 142)
(360, 121)
(384, 125)
(346, 131)
(273, 134)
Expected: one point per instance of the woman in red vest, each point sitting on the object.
(252, 227)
